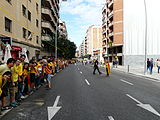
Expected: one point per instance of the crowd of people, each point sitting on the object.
(18, 78)
(151, 63)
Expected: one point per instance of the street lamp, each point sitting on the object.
(145, 62)
(57, 32)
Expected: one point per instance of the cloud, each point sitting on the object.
(83, 13)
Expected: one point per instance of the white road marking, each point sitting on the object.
(134, 99)
(147, 107)
(87, 82)
(53, 110)
(80, 72)
(126, 82)
(110, 118)
(56, 101)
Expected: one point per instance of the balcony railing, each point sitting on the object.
(110, 4)
(110, 24)
(110, 15)
(46, 37)
(47, 24)
(111, 34)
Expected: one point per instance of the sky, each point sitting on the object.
(79, 15)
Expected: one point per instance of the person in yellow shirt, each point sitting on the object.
(5, 68)
(13, 84)
(49, 73)
(25, 78)
(33, 73)
(108, 70)
(3, 80)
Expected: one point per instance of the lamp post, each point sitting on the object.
(56, 36)
(145, 62)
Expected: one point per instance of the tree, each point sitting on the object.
(66, 48)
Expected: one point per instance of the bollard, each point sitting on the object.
(128, 68)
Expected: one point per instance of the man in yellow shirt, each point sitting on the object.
(16, 69)
(4, 88)
(4, 78)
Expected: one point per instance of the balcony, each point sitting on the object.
(46, 37)
(111, 34)
(110, 4)
(110, 15)
(48, 12)
(110, 24)
(46, 24)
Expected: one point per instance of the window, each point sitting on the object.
(29, 35)
(8, 25)
(37, 39)
(24, 32)
(37, 23)
(9, 1)
(24, 10)
(37, 7)
(29, 15)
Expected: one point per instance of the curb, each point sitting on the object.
(140, 75)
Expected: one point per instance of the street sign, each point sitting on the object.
(6, 40)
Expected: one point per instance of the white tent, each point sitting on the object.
(7, 54)
(24, 51)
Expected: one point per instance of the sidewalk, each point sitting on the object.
(138, 71)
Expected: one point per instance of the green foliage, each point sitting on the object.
(66, 48)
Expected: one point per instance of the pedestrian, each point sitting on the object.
(4, 68)
(3, 80)
(158, 64)
(148, 64)
(13, 83)
(116, 61)
(96, 67)
(49, 73)
(151, 65)
(26, 79)
(108, 70)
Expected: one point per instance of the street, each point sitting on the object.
(77, 94)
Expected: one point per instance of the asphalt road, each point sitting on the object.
(84, 96)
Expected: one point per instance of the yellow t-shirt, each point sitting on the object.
(3, 68)
(25, 73)
(33, 70)
(20, 68)
(15, 72)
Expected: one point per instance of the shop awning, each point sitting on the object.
(15, 48)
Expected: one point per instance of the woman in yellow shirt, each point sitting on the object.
(25, 75)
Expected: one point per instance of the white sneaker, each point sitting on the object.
(22, 97)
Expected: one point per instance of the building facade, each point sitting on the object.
(94, 42)
(112, 25)
(50, 24)
(63, 29)
(21, 26)
(132, 33)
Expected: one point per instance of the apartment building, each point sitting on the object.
(63, 29)
(20, 26)
(132, 32)
(50, 24)
(94, 42)
(81, 49)
(104, 31)
(112, 25)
